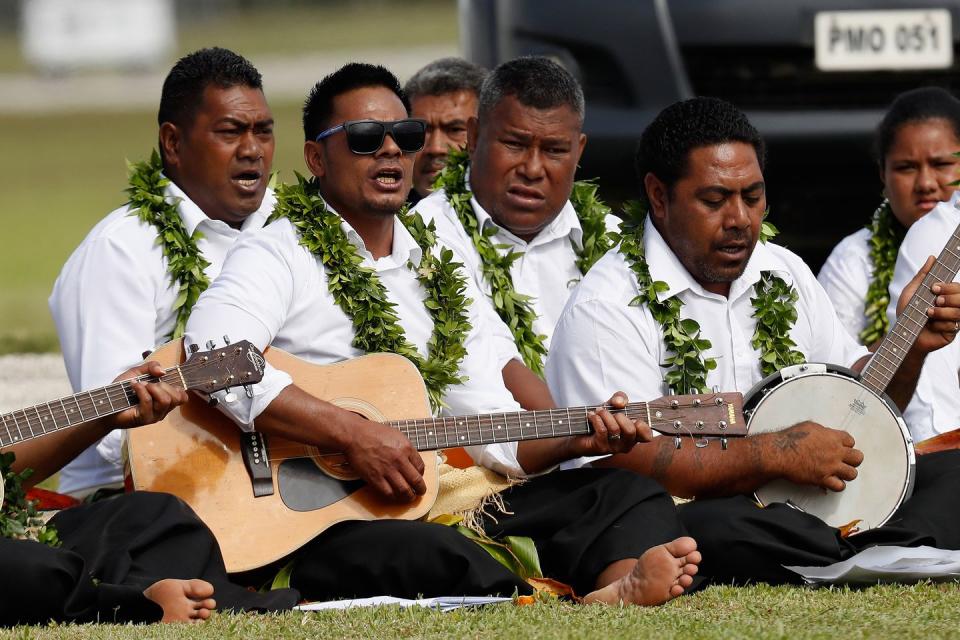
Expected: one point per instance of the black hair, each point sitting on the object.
(446, 75)
(318, 108)
(666, 143)
(183, 87)
(917, 105)
(535, 81)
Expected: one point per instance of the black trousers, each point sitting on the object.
(581, 521)
(111, 552)
(742, 543)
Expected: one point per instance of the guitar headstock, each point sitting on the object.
(232, 365)
(709, 414)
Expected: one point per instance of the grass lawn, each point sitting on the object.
(69, 172)
(325, 26)
(922, 612)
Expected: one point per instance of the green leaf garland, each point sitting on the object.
(19, 518)
(185, 263)
(886, 234)
(686, 364)
(357, 289)
(514, 308)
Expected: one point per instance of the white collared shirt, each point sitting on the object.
(546, 269)
(935, 406)
(113, 300)
(273, 291)
(846, 276)
(603, 343)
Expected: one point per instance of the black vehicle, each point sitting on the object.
(814, 76)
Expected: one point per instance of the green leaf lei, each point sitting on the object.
(185, 263)
(514, 308)
(886, 234)
(19, 519)
(359, 293)
(687, 367)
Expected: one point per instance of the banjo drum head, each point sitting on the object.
(834, 399)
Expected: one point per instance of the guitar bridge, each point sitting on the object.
(254, 446)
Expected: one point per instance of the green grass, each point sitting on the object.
(328, 26)
(922, 612)
(69, 172)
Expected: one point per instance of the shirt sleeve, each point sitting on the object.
(845, 278)
(249, 300)
(104, 330)
(601, 347)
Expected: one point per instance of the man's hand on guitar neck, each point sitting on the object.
(612, 433)
(48, 454)
(943, 323)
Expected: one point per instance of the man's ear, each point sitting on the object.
(314, 158)
(581, 146)
(472, 133)
(170, 138)
(657, 195)
(880, 171)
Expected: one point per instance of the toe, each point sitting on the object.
(681, 547)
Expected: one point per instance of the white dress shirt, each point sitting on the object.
(546, 269)
(114, 300)
(935, 407)
(273, 291)
(603, 343)
(846, 276)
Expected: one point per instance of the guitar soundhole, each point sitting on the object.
(304, 487)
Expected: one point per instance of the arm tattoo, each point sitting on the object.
(663, 459)
(788, 440)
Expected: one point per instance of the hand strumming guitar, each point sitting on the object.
(386, 459)
(811, 454)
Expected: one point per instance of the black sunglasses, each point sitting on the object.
(366, 136)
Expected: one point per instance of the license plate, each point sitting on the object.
(878, 40)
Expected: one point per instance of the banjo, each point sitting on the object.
(838, 398)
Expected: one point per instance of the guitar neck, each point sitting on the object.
(461, 431)
(894, 348)
(45, 418)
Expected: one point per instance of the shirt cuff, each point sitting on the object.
(502, 458)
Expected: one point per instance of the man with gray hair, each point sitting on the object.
(445, 94)
(512, 222)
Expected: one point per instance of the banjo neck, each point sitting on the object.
(894, 347)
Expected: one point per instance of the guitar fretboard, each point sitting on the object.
(42, 419)
(461, 431)
(894, 348)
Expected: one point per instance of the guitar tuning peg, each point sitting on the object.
(193, 348)
(226, 339)
(671, 392)
(211, 344)
(212, 401)
(723, 443)
(230, 397)
(701, 443)
(248, 391)
(715, 388)
(677, 442)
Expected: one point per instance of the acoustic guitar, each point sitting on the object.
(263, 499)
(208, 373)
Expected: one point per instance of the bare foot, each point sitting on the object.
(661, 574)
(182, 600)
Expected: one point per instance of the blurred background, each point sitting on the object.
(79, 86)
(80, 81)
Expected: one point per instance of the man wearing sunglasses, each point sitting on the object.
(118, 295)
(315, 281)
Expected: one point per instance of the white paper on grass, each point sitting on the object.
(443, 603)
(887, 564)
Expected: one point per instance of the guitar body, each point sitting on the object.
(196, 454)
(833, 397)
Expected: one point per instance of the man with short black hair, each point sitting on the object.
(694, 298)
(445, 94)
(130, 284)
(339, 274)
(522, 240)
